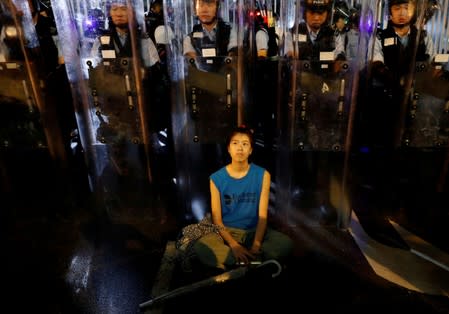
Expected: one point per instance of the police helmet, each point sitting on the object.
(207, 1)
(396, 2)
(317, 5)
(108, 3)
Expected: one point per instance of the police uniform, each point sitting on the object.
(397, 53)
(113, 44)
(120, 44)
(310, 44)
(392, 58)
(263, 41)
(351, 42)
(317, 163)
(154, 19)
(209, 43)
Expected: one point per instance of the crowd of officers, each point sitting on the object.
(326, 27)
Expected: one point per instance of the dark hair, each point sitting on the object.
(243, 129)
(396, 2)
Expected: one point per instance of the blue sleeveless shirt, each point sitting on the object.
(239, 197)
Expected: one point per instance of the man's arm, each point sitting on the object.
(151, 56)
(262, 43)
(263, 214)
(188, 48)
(232, 45)
(339, 52)
(375, 54)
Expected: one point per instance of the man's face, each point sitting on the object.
(402, 13)
(119, 15)
(240, 147)
(316, 19)
(206, 11)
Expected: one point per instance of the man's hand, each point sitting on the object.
(241, 254)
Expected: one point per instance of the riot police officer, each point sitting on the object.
(212, 36)
(315, 35)
(211, 51)
(154, 18)
(346, 24)
(116, 40)
(394, 47)
(267, 34)
(318, 128)
(118, 129)
(384, 98)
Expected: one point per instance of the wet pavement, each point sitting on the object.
(63, 254)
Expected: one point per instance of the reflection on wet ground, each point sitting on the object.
(63, 254)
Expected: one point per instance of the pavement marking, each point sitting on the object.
(402, 267)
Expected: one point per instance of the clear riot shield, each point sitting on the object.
(423, 181)
(208, 85)
(108, 59)
(426, 119)
(29, 120)
(316, 112)
(207, 99)
(428, 108)
(401, 149)
(34, 136)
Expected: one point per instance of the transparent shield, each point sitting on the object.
(211, 97)
(425, 121)
(109, 61)
(205, 68)
(321, 69)
(426, 118)
(322, 106)
(30, 118)
(401, 160)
